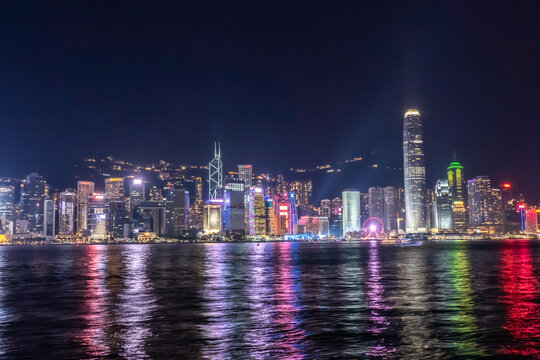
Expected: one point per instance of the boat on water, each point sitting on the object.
(412, 240)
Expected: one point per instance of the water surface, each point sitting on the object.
(453, 300)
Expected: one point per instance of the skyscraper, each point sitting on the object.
(234, 214)
(84, 190)
(245, 173)
(376, 203)
(98, 216)
(114, 188)
(176, 211)
(33, 193)
(336, 217)
(66, 212)
(48, 217)
(351, 211)
(485, 205)
(136, 192)
(456, 182)
(414, 173)
(7, 205)
(442, 207)
(215, 174)
(259, 208)
(196, 213)
(391, 208)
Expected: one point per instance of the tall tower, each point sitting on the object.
(351, 211)
(414, 170)
(215, 174)
(455, 182)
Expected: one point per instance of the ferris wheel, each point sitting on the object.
(373, 227)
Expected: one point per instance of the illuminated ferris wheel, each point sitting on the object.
(373, 227)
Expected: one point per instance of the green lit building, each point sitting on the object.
(456, 184)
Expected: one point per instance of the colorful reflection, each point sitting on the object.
(217, 328)
(95, 303)
(377, 305)
(5, 317)
(137, 302)
(259, 292)
(418, 339)
(520, 294)
(289, 335)
(459, 297)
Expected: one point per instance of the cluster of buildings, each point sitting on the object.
(168, 203)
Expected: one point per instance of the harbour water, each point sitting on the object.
(441, 300)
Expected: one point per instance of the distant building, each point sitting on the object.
(33, 193)
(531, 221)
(49, 222)
(176, 212)
(351, 211)
(196, 211)
(364, 207)
(485, 206)
(149, 218)
(442, 206)
(336, 217)
(245, 173)
(98, 216)
(7, 204)
(66, 212)
(376, 202)
(119, 227)
(212, 217)
(114, 188)
(391, 209)
(325, 209)
(215, 174)
(414, 170)
(259, 209)
(456, 182)
(84, 190)
(136, 193)
(234, 207)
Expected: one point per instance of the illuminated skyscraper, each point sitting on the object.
(414, 170)
(98, 216)
(245, 173)
(215, 174)
(176, 212)
(7, 205)
(336, 217)
(376, 203)
(442, 206)
(136, 192)
(485, 205)
(259, 208)
(456, 182)
(325, 209)
(66, 212)
(234, 209)
(114, 188)
(84, 190)
(531, 221)
(212, 217)
(196, 213)
(33, 193)
(351, 211)
(49, 222)
(391, 208)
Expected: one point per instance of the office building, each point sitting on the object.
(390, 209)
(234, 215)
(176, 212)
(212, 217)
(456, 182)
(66, 212)
(33, 194)
(414, 170)
(442, 206)
(98, 216)
(49, 221)
(351, 211)
(114, 188)
(85, 189)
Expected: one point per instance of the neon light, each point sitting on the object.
(507, 186)
(137, 181)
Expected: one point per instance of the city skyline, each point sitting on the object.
(78, 80)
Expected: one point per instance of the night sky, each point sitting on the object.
(280, 84)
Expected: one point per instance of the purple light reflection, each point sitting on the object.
(376, 303)
(137, 302)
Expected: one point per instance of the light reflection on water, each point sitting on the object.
(274, 300)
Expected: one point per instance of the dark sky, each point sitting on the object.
(281, 84)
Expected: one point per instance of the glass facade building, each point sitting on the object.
(414, 170)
